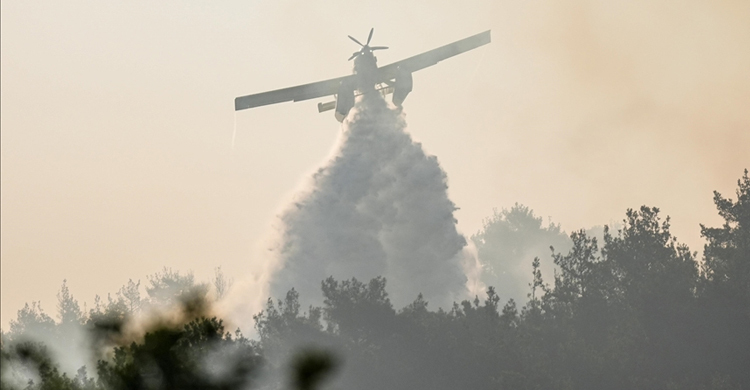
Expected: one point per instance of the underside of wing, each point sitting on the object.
(298, 93)
(432, 57)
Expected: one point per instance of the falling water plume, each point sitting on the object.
(379, 207)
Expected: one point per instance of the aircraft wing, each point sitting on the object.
(432, 57)
(298, 93)
(385, 73)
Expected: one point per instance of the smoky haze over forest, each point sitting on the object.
(634, 309)
(118, 169)
(578, 110)
(631, 308)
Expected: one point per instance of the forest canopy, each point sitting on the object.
(632, 309)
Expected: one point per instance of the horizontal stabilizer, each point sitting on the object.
(323, 107)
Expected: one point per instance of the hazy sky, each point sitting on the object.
(117, 121)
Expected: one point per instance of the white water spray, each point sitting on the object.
(378, 207)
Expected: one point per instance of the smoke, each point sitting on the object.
(81, 340)
(67, 344)
(379, 207)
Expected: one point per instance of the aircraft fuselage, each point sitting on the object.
(367, 77)
(365, 81)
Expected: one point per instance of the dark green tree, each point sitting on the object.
(726, 256)
(725, 303)
(199, 355)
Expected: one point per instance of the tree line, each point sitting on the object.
(632, 309)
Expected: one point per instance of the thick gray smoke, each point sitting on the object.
(379, 207)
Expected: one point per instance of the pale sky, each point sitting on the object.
(117, 121)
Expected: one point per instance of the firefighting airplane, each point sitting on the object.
(367, 77)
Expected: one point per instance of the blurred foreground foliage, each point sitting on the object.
(632, 310)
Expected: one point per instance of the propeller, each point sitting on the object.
(355, 40)
(366, 47)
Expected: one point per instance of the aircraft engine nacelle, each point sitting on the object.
(403, 86)
(344, 100)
